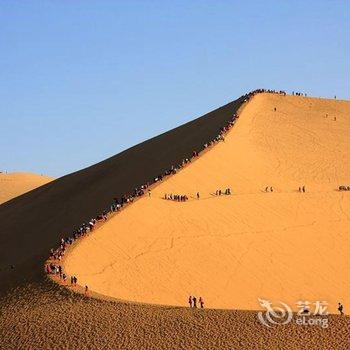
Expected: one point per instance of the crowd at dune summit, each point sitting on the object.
(53, 265)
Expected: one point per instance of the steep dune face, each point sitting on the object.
(282, 245)
(15, 184)
(32, 224)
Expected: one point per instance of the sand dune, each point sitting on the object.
(38, 314)
(15, 184)
(57, 208)
(231, 250)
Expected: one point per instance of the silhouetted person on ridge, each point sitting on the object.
(340, 308)
(197, 195)
(201, 302)
(194, 299)
(190, 301)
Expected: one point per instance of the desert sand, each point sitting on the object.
(15, 184)
(182, 242)
(232, 250)
(49, 318)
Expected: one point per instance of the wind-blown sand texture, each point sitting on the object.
(15, 184)
(283, 245)
(232, 250)
(39, 314)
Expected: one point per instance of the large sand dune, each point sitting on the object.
(32, 224)
(15, 184)
(38, 314)
(232, 250)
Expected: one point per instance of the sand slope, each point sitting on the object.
(15, 184)
(32, 224)
(231, 250)
(38, 314)
(53, 319)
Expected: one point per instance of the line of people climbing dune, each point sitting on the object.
(53, 265)
(119, 203)
(176, 197)
(228, 191)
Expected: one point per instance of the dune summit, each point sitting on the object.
(159, 251)
(232, 250)
(15, 184)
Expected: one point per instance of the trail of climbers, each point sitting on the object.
(53, 267)
(288, 219)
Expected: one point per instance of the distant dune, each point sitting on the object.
(232, 250)
(15, 184)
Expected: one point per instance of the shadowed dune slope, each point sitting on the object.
(15, 184)
(32, 224)
(284, 245)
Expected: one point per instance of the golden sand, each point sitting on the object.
(232, 250)
(15, 184)
(45, 315)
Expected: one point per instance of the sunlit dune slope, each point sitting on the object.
(15, 184)
(33, 223)
(231, 250)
